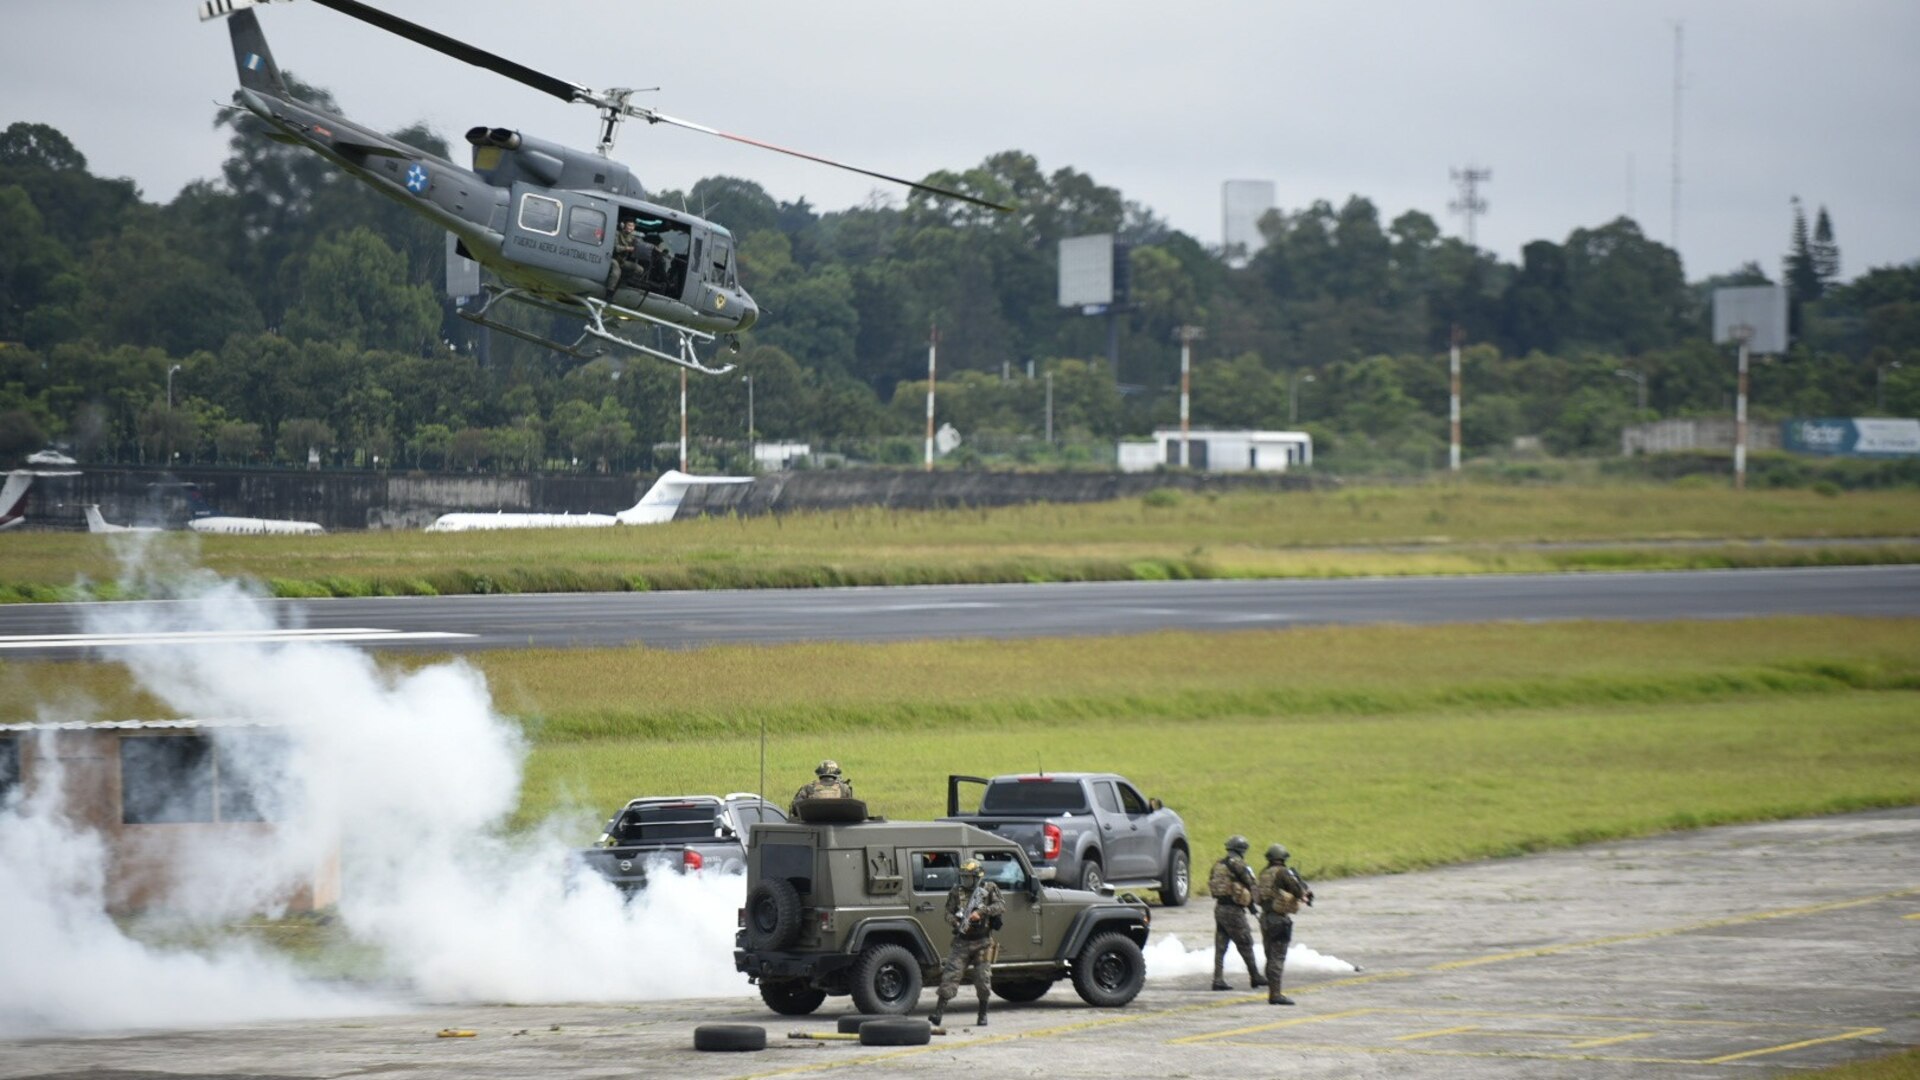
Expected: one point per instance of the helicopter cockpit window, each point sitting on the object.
(586, 225)
(723, 261)
(540, 214)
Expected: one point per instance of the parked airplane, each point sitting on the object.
(13, 493)
(208, 520)
(98, 523)
(658, 505)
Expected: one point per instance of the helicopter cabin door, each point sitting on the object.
(567, 231)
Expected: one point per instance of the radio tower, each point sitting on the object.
(1470, 204)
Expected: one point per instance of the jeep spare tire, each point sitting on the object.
(1109, 971)
(790, 997)
(773, 914)
(729, 1037)
(830, 811)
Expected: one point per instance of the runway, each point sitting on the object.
(692, 619)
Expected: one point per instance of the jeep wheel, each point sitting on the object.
(773, 914)
(1091, 876)
(886, 979)
(790, 997)
(1178, 883)
(1109, 971)
(1023, 990)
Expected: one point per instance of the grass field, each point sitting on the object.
(1439, 528)
(1364, 748)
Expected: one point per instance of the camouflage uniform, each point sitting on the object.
(828, 785)
(1232, 885)
(972, 945)
(1279, 893)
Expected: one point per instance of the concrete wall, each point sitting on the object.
(1698, 433)
(368, 500)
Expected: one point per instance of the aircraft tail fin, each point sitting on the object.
(250, 52)
(13, 497)
(663, 499)
(95, 522)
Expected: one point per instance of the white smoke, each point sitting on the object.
(1167, 958)
(410, 776)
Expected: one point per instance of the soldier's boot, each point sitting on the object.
(1274, 996)
(939, 1007)
(1253, 969)
(981, 1021)
(1219, 962)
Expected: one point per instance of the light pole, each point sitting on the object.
(1640, 383)
(751, 463)
(1186, 335)
(1880, 384)
(1293, 394)
(170, 372)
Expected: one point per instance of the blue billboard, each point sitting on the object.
(1855, 437)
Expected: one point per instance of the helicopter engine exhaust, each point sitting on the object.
(504, 138)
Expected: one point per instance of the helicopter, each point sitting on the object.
(562, 230)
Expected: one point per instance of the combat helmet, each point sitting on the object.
(1238, 844)
(970, 869)
(828, 770)
(1277, 853)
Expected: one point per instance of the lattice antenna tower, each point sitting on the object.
(1470, 205)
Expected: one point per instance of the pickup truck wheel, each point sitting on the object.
(1023, 990)
(773, 914)
(1091, 875)
(1178, 884)
(790, 997)
(1109, 971)
(886, 979)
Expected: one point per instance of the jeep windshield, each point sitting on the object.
(667, 823)
(1035, 795)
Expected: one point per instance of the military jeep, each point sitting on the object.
(860, 908)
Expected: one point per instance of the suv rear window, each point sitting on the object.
(1034, 797)
(667, 822)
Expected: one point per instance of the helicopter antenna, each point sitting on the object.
(614, 105)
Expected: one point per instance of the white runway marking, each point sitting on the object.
(217, 637)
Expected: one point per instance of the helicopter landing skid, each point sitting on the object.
(579, 350)
(594, 312)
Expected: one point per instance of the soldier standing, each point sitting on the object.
(827, 784)
(1232, 886)
(975, 909)
(1280, 892)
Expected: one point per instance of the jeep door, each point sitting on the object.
(1021, 936)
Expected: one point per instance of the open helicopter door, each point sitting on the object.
(564, 231)
(463, 274)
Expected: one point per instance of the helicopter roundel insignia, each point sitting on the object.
(418, 178)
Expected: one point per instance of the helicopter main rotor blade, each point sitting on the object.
(653, 117)
(459, 50)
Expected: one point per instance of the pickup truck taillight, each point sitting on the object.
(691, 860)
(1050, 841)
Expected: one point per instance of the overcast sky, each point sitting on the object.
(1570, 105)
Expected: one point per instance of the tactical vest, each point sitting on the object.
(1224, 884)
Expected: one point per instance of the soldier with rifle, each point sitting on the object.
(1231, 885)
(1280, 892)
(975, 909)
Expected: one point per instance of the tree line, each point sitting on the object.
(282, 310)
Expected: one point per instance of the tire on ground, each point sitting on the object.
(886, 980)
(896, 1031)
(773, 914)
(850, 1023)
(729, 1037)
(790, 997)
(1109, 971)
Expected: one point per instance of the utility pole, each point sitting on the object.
(752, 461)
(1470, 204)
(1186, 335)
(1741, 334)
(1453, 400)
(170, 372)
(933, 352)
(1293, 394)
(683, 419)
(1049, 408)
(1640, 383)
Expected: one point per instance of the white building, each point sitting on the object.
(779, 455)
(1219, 451)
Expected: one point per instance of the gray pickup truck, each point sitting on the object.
(684, 832)
(1084, 830)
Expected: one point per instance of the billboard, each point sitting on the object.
(1759, 310)
(1086, 271)
(1857, 437)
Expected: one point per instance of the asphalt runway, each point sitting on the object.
(1751, 950)
(693, 619)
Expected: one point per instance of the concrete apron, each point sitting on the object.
(1739, 951)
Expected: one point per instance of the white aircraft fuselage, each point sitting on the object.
(658, 505)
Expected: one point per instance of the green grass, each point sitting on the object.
(1378, 748)
(1901, 1066)
(1450, 529)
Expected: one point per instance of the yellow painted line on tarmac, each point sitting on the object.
(1915, 915)
(1437, 1032)
(1856, 1033)
(1587, 1044)
(1672, 931)
(1275, 1026)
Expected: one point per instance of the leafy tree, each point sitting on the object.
(1799, 268)
(301, 436)
(20, 433)
(236, 440)
(354, 290)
